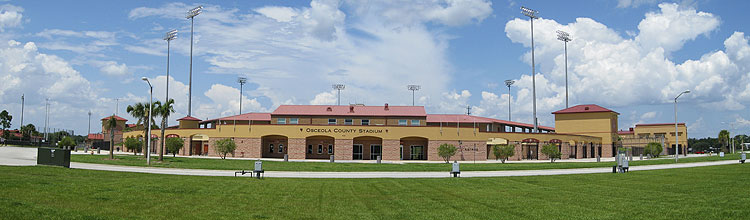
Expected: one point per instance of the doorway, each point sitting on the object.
(417, 152)
(375, 151)
(357, 149)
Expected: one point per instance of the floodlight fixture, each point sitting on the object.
(413, 88)
(531, 13)
(338, 87)
(194, 12)
(171, 35)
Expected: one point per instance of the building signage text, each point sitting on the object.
(346, 130)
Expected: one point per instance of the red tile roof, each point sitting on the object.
(659, 124)
(131, 125)
(188, 118)
(625, 132)
(96, 137)
(246, 117)
(584, 109)
(453, 118)
(116, 118)
(344, 110)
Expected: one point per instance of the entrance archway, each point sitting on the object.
(319, 147)
(413, 148)
(530, 147)
(199, 144)
(274, 146)
(367, 148)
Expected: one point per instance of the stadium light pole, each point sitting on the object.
(565, 37)
(676, 136)
(46, 119)
(242, 81)
(89, 130)
(339, 87)
(169, 36)
(509, 83)
(191, 15)
(413, 88)
(532, 14)
(22, 105)
(148, 121)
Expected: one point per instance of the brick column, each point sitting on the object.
(248, 147)
(519, 152)
(296, 148)
(185, 147)
(342, 149)
(391, 149)
(579, 151)
(565, 151)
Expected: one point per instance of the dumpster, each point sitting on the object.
(53, 157)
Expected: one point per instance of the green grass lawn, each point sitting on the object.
(714, 192)
(217, 164)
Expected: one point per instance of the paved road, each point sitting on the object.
(27, 157)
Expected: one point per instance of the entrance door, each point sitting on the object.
(357, 149)
(375, 151)
(532, 152)
(205, 149)
(401, 155)
(416, 152)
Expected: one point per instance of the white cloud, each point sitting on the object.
(648, 115)
(324, 98)
(280, 14)
(226, 104)
(671, 27)
(10, 16)
(633, 3)
(112, 68)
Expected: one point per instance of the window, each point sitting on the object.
(294, 121)
(270, 148)
(281, 121)
(414, 122)
(281, 148)
(348, 121)
(330, 149)
(331, 121)
(659, 135)
(309, 149)
(402, 122)
(365, 121)
(320, 148)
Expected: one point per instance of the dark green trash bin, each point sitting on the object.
(53, 157)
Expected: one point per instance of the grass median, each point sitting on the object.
(218, 164)
(714, 192)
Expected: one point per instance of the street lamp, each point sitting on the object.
(565, 37)
(191, 15)
(338, 87)
(413, 88)
(508, 83)
(532, 14)
(148, 121)
(242, 81)
(676, 135)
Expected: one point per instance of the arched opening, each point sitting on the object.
(319, 147)
(530, 147)
(558, 143)
(367, 148)
(491, 144)
(413, 148)
(274, 146)
(573, 149)
(199, 145)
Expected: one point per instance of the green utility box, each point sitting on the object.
(53, 157)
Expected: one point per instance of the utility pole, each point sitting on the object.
(22, 105)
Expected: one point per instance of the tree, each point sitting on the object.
(140, 111)
(163, 110)
(27, 131)
(133, 144)
(174, 145)
(110, 125)
(66, 143)
(446, 151)
(724, 139)
(5, 119)
(551, 151)
(225, 146)
(503, 151)
(653, 148)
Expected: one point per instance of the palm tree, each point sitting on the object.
(110, 125)
(137, 111)
(164, 111)
(723, 138)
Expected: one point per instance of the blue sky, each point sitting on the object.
(630, 56)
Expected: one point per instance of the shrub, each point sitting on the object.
(446, 151)
(174, 145)
(551, 151)
(66, 143)
(653, 149)
(503, 151)
(225, 146)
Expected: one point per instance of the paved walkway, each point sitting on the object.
(27, 157)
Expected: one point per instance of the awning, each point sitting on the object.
(200, 137)
(495, 141)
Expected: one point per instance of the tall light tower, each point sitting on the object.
(676, 136)
(89, 131)
(565, 37)
(242, 81)
(509, 83)
(191, 15)
(22, 105)
(148, 121)
(46, 119)
(339, 87)
(413, 88)
(169, 36)
(532, 15)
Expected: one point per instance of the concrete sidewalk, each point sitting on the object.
(18, 156)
